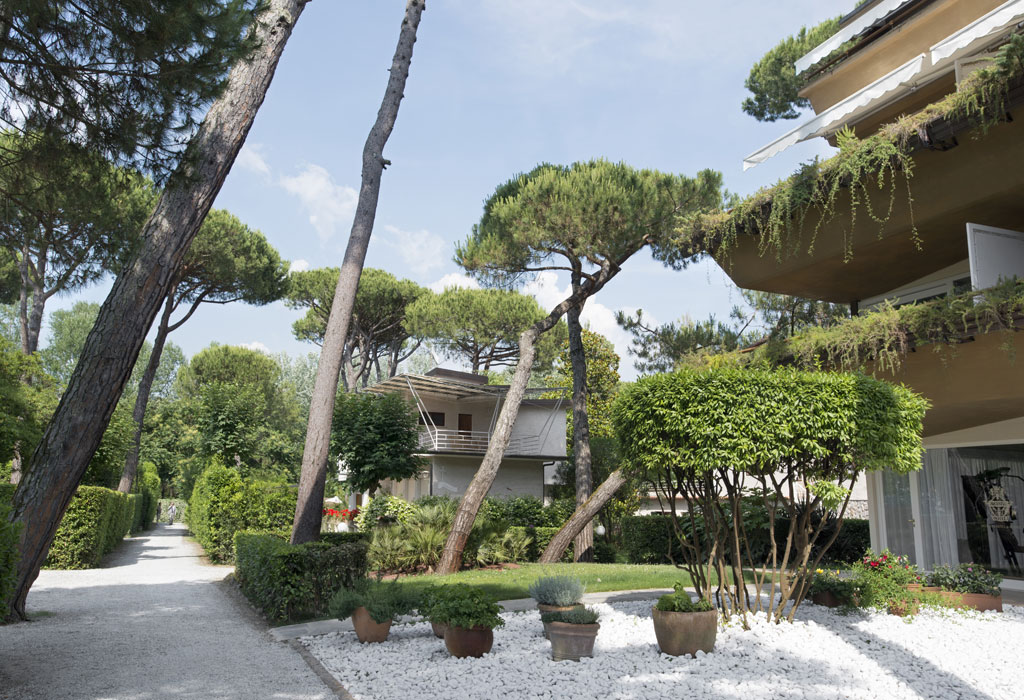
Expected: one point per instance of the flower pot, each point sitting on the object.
(902, 608)
(474, 641)
(982, 601)
(367, 630)
(826, 598)
(952, 597)
(915, 587)
(681, 633)
(439, 628)
(554, 608)
(571, 642)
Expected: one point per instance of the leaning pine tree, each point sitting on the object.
(587, 219)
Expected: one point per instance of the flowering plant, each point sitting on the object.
(344, 514)
(894, 567)
(845, 589)
(966, 578)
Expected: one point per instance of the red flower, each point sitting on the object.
(874, 563)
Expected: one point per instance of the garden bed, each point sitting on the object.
(822, 655)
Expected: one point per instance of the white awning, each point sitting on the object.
(855, 27)
(863, 100)
(994, 22)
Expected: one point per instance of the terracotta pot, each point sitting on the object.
(474, 641)
(367, 630)
(681, 633)
(554, 608)
(571, 642)
(439, 628)
(903, 608)
(982, 601)
(915, 587)
(826, 598)
(952, 597)
(931, 589)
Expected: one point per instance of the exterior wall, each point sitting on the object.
(516, 477)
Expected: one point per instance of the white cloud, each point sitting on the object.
(251, 158)
(329, 205)
(422, 251)
(596, 316)
(299, 265)
(257, 346)
(453, 279)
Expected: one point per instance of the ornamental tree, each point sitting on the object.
(798, 440)
(586, 219)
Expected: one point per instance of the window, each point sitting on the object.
(436, 417)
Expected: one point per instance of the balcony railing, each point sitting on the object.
(474, 442)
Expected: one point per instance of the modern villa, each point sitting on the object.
(961, 229)
(458, 411)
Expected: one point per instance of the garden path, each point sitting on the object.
(154, 622)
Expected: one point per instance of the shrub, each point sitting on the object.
(514, 545)
(383, 601)
(647, 539)
(96, 520)
(148, 485)
(385, 509)
(557, 590)
(540, 537)
(966, 578)
(886, 565)
(846, 590)
(680, 601)
(576, 616)
(163, 507)
(8, 545)
(461, 605)
(388, 549)
(424, 545)
(288, 582)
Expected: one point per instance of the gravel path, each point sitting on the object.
(155, 622)
(823, 655)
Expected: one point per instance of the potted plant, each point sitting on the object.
(830, 589)
(373, 606)
(683, 625)
(470, 616)
(426, 603)
(556, 594)
(572, 632)
(970, 585)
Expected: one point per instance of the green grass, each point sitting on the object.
(510, 584)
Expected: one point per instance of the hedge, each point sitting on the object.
(96, 520)
(8, 545)
(290, 582)
(148, 484)
(223, 504)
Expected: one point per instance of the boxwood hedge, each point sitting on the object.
(96, 520)
(291, 582)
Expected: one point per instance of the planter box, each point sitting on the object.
(687, 633)
(981, 601)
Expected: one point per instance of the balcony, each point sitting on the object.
(474, 442)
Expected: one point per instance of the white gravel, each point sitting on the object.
(822, 655)
(155, 622)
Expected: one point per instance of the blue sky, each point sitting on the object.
(496, 87)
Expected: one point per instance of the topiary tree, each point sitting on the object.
(798, 440)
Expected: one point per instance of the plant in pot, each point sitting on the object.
(426, 603)
(970, 585)
(572, 632)
(469, 616)
(556, 594)
(373, 606)
(830, 589)
(683, 625)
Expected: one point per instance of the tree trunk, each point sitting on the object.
(131, 462)
(309, 508)
(584, 549)
(583, 517)
(34, 322)
(113, 344)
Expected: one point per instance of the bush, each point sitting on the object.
(222, 504)
(680, 601)
(385, 509)
(576, 616)
(460, 605)
(289, 582)
(647, 539)
(96, 520)
(540, 537)
(383, 601)
(148, 485)
(557, 590)
(966, 578)
(8, 545)
(163, 506)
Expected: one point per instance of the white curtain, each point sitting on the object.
(939, 493)
(899, 529)
(974, 460)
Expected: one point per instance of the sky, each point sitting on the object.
(496, 87)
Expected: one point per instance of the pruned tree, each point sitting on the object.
(377, 338)
(662, 348)
(480, 326)
(309, 508)
(110, 352)
(227, 262)
(587, 219)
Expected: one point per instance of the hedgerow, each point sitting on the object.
(97, 519)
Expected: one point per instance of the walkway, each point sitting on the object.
(155, 622)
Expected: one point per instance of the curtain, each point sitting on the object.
(899, 529)
(939, 492)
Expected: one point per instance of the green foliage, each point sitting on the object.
(26, 407)
(773, 80)
(107, 462)
(648, 539)
(662, 348)
(539, 538)
(966, 578)
(680, 601)
(389, 550)
(290, 582)
(557, 590)
(180, 509)
(223, 504)
(846, 590)
(96, 520)
(383, 601)
(148, 485)
(460, 605)
(376, 437)
(576, 616)
(9, 552)
(511, 546)
(384, 509)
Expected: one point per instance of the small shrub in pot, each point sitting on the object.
(572, 633)
(373, 606)
(556, 594)
(683, 625)
(970, 585)
(470, 616)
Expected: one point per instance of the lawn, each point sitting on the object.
(510, 584)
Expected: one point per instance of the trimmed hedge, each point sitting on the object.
(96, 520)
(148, 486)
(290, 582)
(223, 504)
(8, 545)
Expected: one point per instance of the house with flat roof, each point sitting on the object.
(458, 411)
(946, 224)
